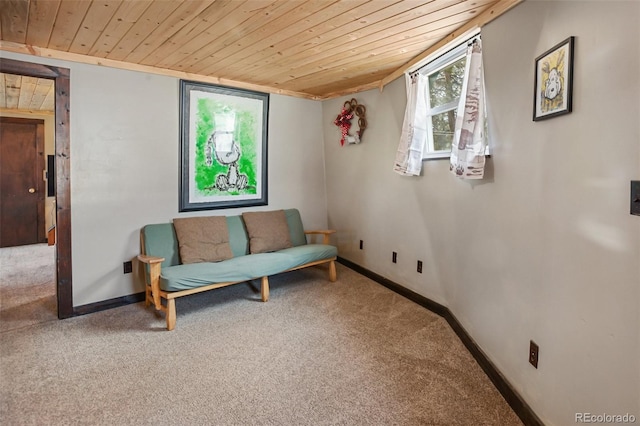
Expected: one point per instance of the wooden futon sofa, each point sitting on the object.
(197, 254)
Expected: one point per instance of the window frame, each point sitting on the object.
(446, 59)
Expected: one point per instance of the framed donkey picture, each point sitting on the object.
(223, 147)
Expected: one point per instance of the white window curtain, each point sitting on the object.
(414, 129)
(470, 141)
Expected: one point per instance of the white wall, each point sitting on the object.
(545, 247)
(125, 168)
(368, 201)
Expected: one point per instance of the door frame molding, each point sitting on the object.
(63, 175)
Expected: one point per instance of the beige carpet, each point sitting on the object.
(318, 353)
(27, 286)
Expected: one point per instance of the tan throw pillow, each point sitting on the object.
(203, 239)
(268, 231)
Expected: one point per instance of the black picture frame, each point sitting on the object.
(223, 147)
(553, 81)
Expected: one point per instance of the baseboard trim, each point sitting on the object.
(513, 398)
(108, 304)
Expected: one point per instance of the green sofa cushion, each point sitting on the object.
(160, 241)
(237, 236)
(296, 230)
(243, 268)
(301, 255)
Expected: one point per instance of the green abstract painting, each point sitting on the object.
(223, 147)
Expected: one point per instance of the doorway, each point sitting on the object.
(61, 76)
(21, 175)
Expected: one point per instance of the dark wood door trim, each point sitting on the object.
(63, 176)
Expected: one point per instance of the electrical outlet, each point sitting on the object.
(127, 267)
(394, 257)
(361, 244)
(420, 266)
(533, 353)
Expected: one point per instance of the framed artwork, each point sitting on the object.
(553, 86)
(223, 147)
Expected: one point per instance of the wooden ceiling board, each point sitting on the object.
(125, 17)
(344, 85)
(150, 19)
(220, 46)
(98, 16)
(296, 49)
(352, 32)
(68, 20)
(397, 28)
(332, 76)
(253, 42)
(14, 20)
(392, 57)
(307, 48)
(25, 93)
(42, 15)
(70, 15)
(42, 88)
(12, 90)
(27, 89)
(170, 26)
(337, 43)
(189, 47)
(49, 102)
(372, 48)
(224, 41)
(269, 50)
(336, 36)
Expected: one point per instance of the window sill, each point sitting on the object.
(437, 156)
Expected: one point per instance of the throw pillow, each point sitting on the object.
(268, 231)
(203, 239)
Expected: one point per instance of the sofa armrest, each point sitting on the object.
(155, 265)
(150, 260)
(325, 234)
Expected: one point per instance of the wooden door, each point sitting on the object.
(21, 182)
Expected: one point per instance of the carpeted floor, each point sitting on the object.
(318, 353)
(27, 286)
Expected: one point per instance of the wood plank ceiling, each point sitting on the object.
(315, 49)
(26, 93)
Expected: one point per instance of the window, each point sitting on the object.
(444, 77)
(434, 95)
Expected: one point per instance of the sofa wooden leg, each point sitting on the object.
(147, 296)
(332, 271)
(264, 288)
(171, 314)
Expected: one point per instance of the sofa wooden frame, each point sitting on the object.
(153, 292)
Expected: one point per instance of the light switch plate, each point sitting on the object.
(635, 197)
